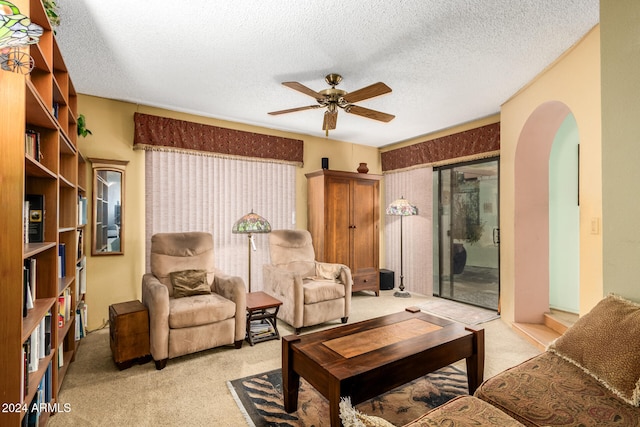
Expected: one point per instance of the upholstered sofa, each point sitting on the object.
(590, 376)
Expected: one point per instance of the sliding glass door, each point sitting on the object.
(466, 251)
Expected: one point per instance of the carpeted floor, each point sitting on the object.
(192, 390)
(260, 398)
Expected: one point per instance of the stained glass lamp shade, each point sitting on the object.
(16, 29)
(401, 207)
(249, 224)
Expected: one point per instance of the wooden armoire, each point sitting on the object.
(344, 221)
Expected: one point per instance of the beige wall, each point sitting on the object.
(573, 80)
(114, 279)
(620, 40)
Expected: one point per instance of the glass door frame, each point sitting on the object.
(444, 247)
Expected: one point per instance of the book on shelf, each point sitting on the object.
(32, 144)
(81, 321)
(24, 371)
(62, 260)
(48, 383)
(61, 355)
(29, 303)
(32, 264)
(47, 333)
(38, 345)
(64, 307)
(33, 416)
(29, 283)
(25, 292)
(85, 310)
(81, 278)
(67, 305)
(61, 310)
(36, 217)
(41, 399)
(34, 350)
(25, 221)
(80, 244)
(77, 287)
(41, 342)
(82, 210)
(30, 267)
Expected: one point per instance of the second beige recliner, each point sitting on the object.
(311, 292)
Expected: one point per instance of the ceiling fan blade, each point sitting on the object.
(302, 88)
(293, 110)
(330, 120)
(370, 114)
(370, 91)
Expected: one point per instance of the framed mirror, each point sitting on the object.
(108, 207)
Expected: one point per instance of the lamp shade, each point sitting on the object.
(401, 207)
(251, 223)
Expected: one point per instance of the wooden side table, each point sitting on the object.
(129, 333)
(261, 317)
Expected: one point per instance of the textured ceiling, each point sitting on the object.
(447, 61)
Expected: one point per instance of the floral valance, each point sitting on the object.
(463, 144)
(162, 133)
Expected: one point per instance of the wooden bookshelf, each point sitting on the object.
(43, 103)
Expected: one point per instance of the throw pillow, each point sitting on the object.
(605, 343)
(351, 417)
(328, 271)
(187, 283)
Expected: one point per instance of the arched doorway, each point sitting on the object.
(531, 211)
(564, 219)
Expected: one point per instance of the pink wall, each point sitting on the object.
(531, 216)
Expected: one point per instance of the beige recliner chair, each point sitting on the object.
(192, 306)
(311, 292)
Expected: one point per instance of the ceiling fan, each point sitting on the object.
(333, 98)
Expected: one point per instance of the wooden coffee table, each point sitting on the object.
(368, 358)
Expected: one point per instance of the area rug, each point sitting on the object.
(259, 397)
(463, 313)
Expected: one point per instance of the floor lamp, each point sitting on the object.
(250, 224)
(401, 207)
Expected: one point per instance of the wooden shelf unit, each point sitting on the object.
(44, 102)
(343, 210)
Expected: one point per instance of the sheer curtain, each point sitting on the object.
(194, 192)
(416, 186)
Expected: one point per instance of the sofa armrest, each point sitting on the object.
(285, 286)
(233, 289)
(155, 296)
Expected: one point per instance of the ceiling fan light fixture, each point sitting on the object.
(333, 79)
(333, 98)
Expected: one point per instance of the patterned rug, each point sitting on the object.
(459, 312)
(260, 399)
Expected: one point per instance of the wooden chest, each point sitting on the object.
(129, 333)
